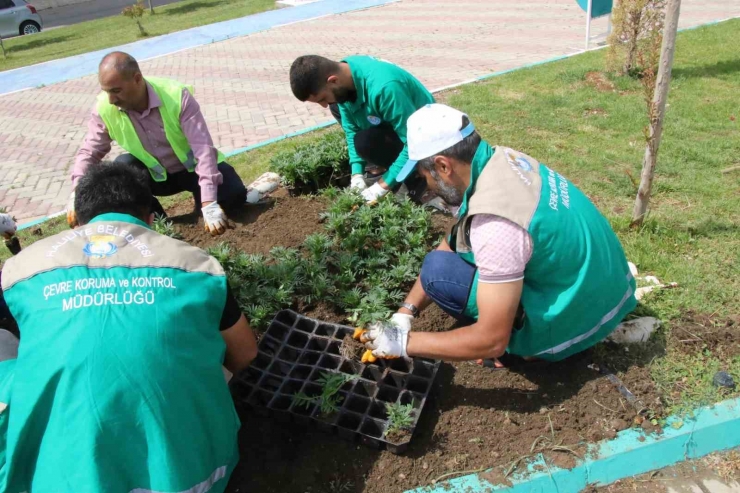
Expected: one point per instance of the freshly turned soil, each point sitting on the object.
(475, 417)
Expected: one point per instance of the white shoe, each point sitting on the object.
(637, 330)
(266, 183)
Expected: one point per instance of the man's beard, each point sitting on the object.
(344, 95)
(448, 193)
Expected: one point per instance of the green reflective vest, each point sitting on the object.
(118, 385)
(577, 284)
(122, 130)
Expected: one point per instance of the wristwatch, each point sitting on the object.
(414, 311)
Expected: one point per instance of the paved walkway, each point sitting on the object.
(242, 83)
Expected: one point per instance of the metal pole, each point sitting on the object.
(588, 24)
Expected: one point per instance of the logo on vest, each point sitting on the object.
(374, 120)
(519, 164)
(100, 246)
(523, 163)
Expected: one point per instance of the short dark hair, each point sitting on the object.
(462, 151)
(308, 75)
(123, 63)
(112, 187)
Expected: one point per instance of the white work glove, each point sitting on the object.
(215, 219)
(372, 194)
(7, 226)
(386, 339)
(357, 182)
(71, 215)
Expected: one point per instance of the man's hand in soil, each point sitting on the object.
(71, 215)
(372, 194)
(215, 219)
(386, 339)
(357, 182)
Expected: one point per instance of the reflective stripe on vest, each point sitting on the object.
(120, 128)
(203, 487)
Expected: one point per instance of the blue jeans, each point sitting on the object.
(447, 279)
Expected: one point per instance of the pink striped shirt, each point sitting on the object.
(501, 248)
(150, 129)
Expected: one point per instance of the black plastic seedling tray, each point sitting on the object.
(293, 354)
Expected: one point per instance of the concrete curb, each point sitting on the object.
(713, 429)
(55, 71)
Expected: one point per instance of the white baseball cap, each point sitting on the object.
(429, 131)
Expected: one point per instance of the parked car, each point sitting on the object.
(17, 17)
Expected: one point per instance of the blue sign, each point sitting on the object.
(598, 7)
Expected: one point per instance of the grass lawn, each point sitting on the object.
(589, 126)
(117, 30)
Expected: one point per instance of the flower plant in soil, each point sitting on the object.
(165, 227)
(311, 166)
(360, 266)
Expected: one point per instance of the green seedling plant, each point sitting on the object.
(329, 399)
(164, 227)
(314, 163)
(135, 12)
(361, 264)
(400, 418)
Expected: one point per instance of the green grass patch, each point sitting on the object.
(29, 235)
(117, 30)
(589, 125)
(685, 380)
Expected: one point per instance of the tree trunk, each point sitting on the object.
(657, 112)
(2, 46)
(629, 62)
(151, 8)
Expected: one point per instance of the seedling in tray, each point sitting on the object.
(400, 420)
(304, 373)
(329, 399)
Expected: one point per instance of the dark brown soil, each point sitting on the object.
(475, 417)
(399, 436)
(258, 227)
(696, 332)
(351, 349)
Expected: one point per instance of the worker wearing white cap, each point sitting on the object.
(531, 268)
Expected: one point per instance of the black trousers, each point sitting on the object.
(231, 192)
(380, 146)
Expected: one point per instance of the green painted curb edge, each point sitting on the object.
(712, 429)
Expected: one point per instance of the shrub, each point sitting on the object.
(314, 165)
(136, 12)
(360, 265)
(637, 35)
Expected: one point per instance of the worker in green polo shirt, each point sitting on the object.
(118, 384)
(531, 268)
(372, 99)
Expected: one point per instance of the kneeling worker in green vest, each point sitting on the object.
(118, 385)
(159, 124)
(531, 268)
(371, 99)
